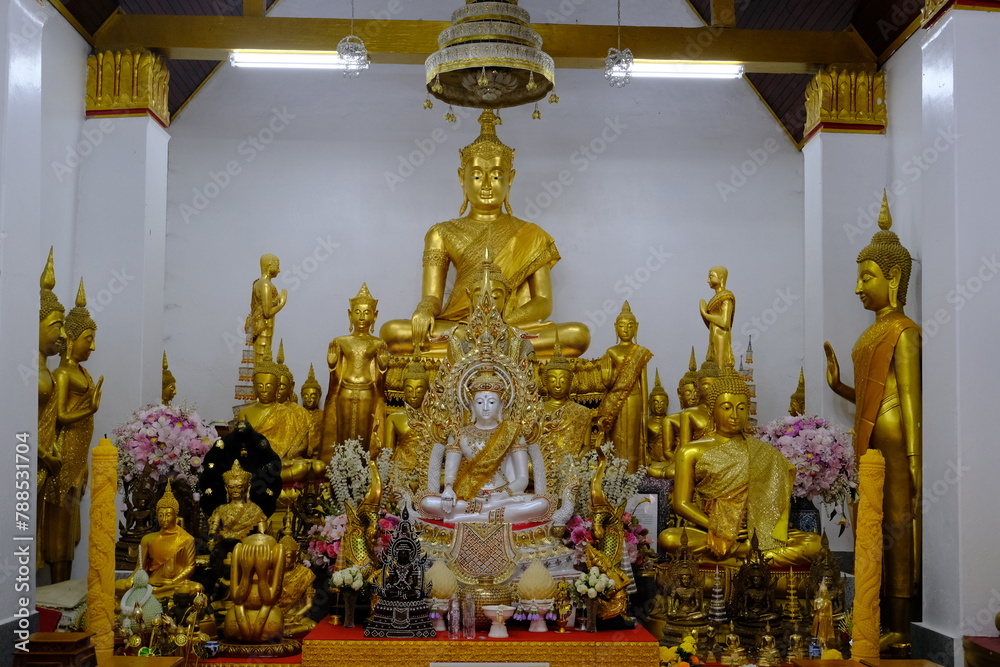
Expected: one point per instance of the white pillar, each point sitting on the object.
(961, 293)
(119, 250)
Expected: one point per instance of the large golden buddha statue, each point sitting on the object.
(718, 317)
(730, 485)
(524, 252)
(355, 402)
(78, 397)
(887, 394)
(51, 338)
(168, 555)
(622, 413)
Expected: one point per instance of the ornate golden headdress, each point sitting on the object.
(415, 371)
(49, 300)
(558, 361)
(364, 297)
(487, 144)
(691, 377)
(311, 381)
(886, 251)
(287, 541)
(283, 370)
(658, 389)
(236, 474)
(168, 377)
(78, 320)
(168, 500)
(487, 381)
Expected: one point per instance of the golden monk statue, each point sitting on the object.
(522, 250)
(168, 554)
(51, 338)
(887, 394)
(257, 573)
(265, 303)
(286, 431)
(169, 383)
(401, 438)
(355, 402)
(297, 589)
(797, 402)
(718, 316)
(730, 484)
(622, 413)
(566, 423)
(239, 515)
(311, 392)
(78, 397)
(694, 422)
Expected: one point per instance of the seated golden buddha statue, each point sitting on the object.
(297, 589)
(168, 555)
(730, 484)
(239, 515)
(695, 421)
(524, 252)
(286, 432)
(401, 435)
(566, 423)
(311, 393)
(659, 431)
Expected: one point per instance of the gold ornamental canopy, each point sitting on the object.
(490, 58)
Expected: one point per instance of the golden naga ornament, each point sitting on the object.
(888, 400)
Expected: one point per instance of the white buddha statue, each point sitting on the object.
(486, 471)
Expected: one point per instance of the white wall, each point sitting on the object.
(324, 176)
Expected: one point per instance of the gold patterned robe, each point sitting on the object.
(625, 403)
(286, 429)
(565, 429)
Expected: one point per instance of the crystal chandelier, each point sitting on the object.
(618, 64)
(352, 52)
(490, 58)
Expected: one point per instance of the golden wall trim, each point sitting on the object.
(127, 83)
(846, 98)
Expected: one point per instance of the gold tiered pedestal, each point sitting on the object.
(328, 644)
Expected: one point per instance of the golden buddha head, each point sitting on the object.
(557, 375)
(311, 391)
(707, 374)
(51, 313)
(286, 381)
(717, 277)
(415, 384)
(269, 265)
(658, 398)
(363, 310)
(729, 401)
(168, 388)
(80, 329)
(486, 170)
(237, 481)
(626, 325)
(687, 387)
(265, 381)
(167, 509)
(883, 267)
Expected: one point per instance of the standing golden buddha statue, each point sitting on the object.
(695, 421)
(622, 413)
(659, 432)
(355, 401)
(565, 423)
(78, 397)
(524, 252)
(401, 436)
(51, 337)
(887, 394)
(168, 387)
(311, 392)
(718, 317)
(265, 303)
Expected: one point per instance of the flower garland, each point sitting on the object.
(170, 440)
(821, 453)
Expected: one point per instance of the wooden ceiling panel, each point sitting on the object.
(91, 14)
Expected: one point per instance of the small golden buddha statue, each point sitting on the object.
(78, 397)
(297, 591)
(734, 654)
(239, 515)
(768, 654)
(731, 484)
(257, 574)
(622, 413)
(566, 423)
(401, 437)
(694, 422)
(355, 403)
(684, 602)
(51, 338)
(168, 555)
(659, 434)
(718, 317)
(822, 624)
(265, 303)
(797, 645)
(524, 252)
(169, 383)
(687, 386)
(687, 393)
(887, 393)
(797, 402)
(311, 392)
(294, 413)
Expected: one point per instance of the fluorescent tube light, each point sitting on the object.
(691, 70)
(288, 59)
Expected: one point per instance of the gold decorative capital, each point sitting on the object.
(127, 83)
(846, 98)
